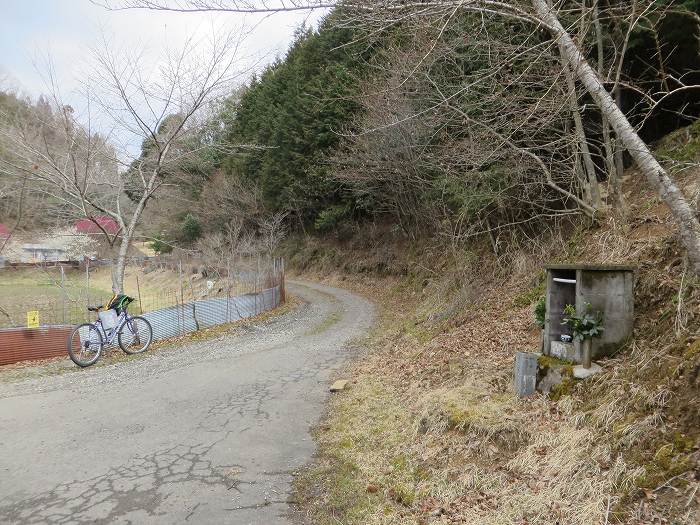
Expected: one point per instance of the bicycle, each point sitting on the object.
(133, 334)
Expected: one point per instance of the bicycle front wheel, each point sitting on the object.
(135, 335)
(85, 344)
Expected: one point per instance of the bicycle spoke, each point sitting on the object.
(135, 335)
(85, 345)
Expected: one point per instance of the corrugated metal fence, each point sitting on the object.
(197, 315)
(170, 315)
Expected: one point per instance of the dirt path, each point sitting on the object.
(210, 433)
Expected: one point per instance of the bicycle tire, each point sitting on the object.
(139, 323)
(94, 338)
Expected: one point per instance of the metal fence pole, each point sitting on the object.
(228, 289)
(63, 294)
(276, 284)
(194, 305)
(255, 283)
(182, 296)
(87, 281)
(138, 289)
(283, 284)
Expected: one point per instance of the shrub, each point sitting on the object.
(583, 326)
(160, 246)
(540, 312)
(191, 229)
(331, 217)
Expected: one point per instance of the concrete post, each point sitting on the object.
(525, 374)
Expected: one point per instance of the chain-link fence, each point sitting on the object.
(40, 303)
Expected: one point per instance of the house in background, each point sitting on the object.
(96, 225)
(42, 253)
(53, 246)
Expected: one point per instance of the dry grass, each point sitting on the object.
(431, 433)
(435, 428)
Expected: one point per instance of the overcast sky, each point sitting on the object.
(66, 30)
(29, 29)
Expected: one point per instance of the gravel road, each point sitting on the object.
(209, 433)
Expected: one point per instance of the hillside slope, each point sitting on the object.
(430, 431)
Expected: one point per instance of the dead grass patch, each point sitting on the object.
(434, 391)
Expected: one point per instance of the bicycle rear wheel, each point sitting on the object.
(135, 335)
(85, 344)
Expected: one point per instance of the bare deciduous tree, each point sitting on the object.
(655, 174)
(466, 150)
(13, 191)
(271, 232)
(153, 105)
(231, 6)
(380, 16)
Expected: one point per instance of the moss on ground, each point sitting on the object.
(671, 459)
(548, 361)
(361, 465)
(692, 351)
(330, 320)
(565, 388)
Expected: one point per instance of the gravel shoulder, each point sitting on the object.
(208, 432)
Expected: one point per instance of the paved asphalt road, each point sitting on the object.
(210, 432)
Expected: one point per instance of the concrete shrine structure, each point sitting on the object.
(609, 288)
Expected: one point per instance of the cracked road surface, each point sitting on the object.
(209, 432)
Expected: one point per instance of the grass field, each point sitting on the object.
(58, 299)
(62, 299)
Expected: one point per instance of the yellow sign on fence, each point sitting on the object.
(33, 319)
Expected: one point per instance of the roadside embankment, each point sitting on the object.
(430, 430)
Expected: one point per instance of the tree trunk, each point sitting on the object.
(611, 153)
(619, 163)
(120, 265)
(668, 191)
(589, 166)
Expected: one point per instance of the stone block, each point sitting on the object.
(583, 373)
(525, 380)
(565, 351)
(339, 385)
(551, 379)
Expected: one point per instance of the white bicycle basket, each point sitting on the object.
(108, 318)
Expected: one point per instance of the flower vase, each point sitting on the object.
(587, 356)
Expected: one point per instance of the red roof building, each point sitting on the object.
(88, 225)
